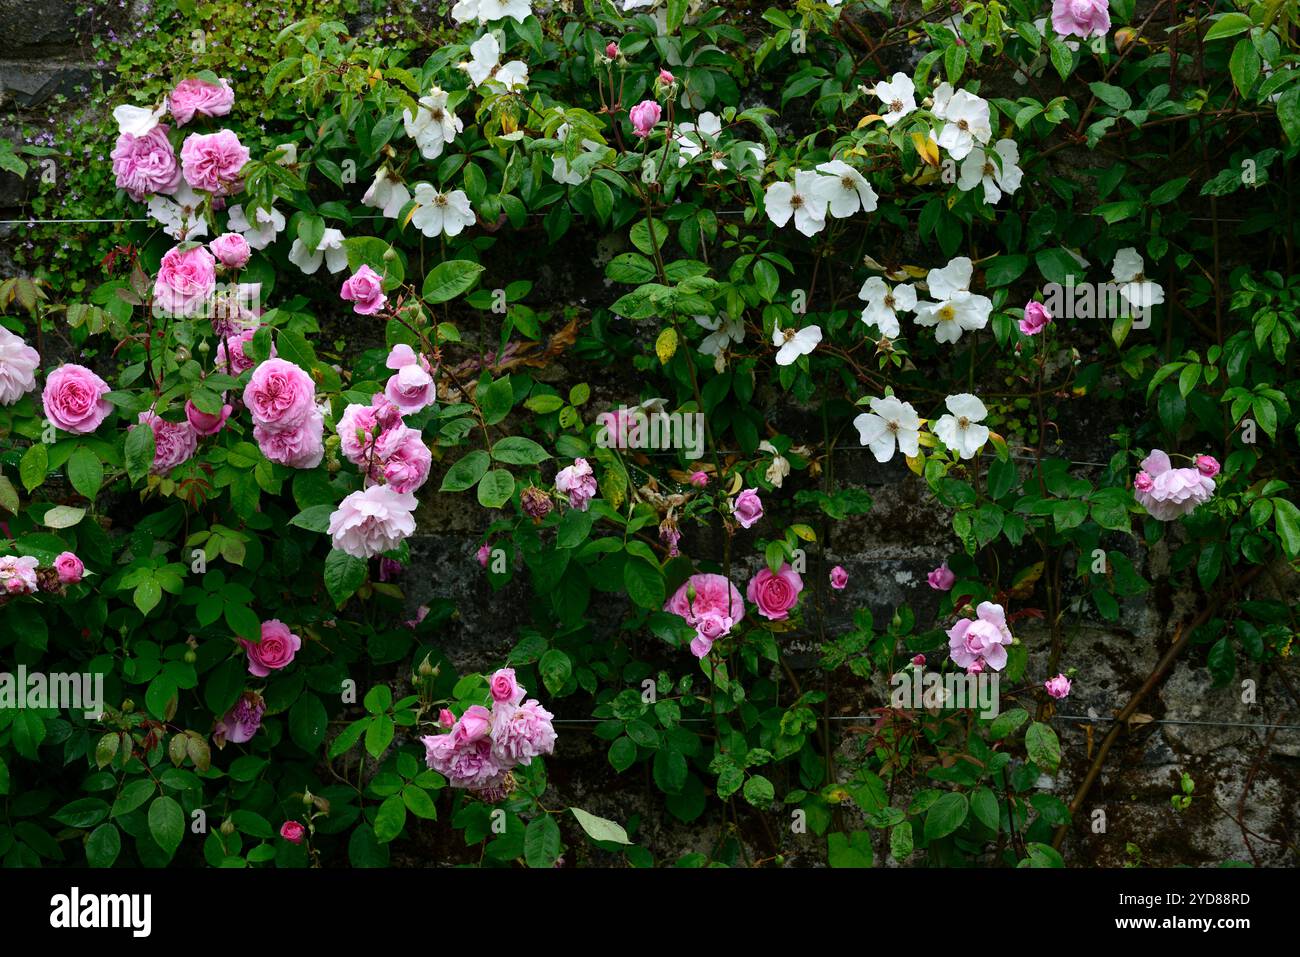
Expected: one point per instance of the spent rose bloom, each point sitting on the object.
(941, 578)
(275, 651)
(1081, 18)
(292, 832)
(194, 97)
(146, 164)
(748, 507)
(1172, 492)
(18, 364)
(1036, 319)
(578, 482)
(186, 280)
(974, 643)
(212, 161)
(505, 687)
(644, 116)
(1057, 687)
(69, 568)
(775, 594)
(705, 596)
(839, 578)
(299, 447)
(240, 723)
(1207, 465)
(280, 395)
(372, 521)
(484, 554)
(231, 249)
(365, 289)
(404, 458)
(411, 387)
(18, 575)
(206, 423)
(74, 399)
(174, 443)
(521, 732)
(230, 353)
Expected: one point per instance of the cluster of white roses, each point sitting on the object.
(951, 310)
(893, 424)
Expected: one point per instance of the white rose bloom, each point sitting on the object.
(1128, 271)
(330, 250)
(883, 304)
(961, 431)
(845, 189)
(1000, 175)
(486, 11)
(261, 233)
(890, 423)
(486, 65)
(795, 343)
(433, 125)
(805, 201)
(441, 213)
(288, 154)
(722, 333)
(560, 170)
(955, 309)
(386, 194)
(899, 97)
(178, 213)
(138, 120)
(966, 122)
(780, 466)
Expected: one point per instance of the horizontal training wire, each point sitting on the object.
(1064, 717)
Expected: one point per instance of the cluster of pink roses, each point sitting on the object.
(480, 748)
(18, 365)
(981, 642)
(23, 575)
(712, 605)
(1168, 493)
(287, 423)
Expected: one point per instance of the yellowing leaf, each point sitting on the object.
(666, 345)
(926, 148)
(916, 463)
(869, 118)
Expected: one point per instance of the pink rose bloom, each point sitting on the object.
(186, 280)
(18, 575)
(700, 479)
(839, 578)
(579, 483)
(982, 640)
(280, 395)
(505, 687)
(174, 442)
(230, 353)
(412, 387)
(484, 553)
(212, 162)
(1081, 18)
(475, 723)
(1207, 465)
(521, 733)
(404, 458)
(446, 718)
(775, 594)
(1143, 482)
(232, 250)
(194, 97)
(276, 649)
(292, 832)
(1057, 687)
(74, 399)
(942, 578)
(365, 288)
(1173, 492)
(709, 627)
(240, 723)
(644, 116)
(205, 423)
(18, 364)
(373, 521)
(145, 165)
(357, 428)
(748, 507)
(1036, 318)
(69, 567)
(714, 595)
(301, 447)
(464, 755)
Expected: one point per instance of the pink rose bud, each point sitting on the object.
(484, 553)
(1057, 687)
(839, 578)
(1143, 482)
(1036, 319)
(644, 116)
(942, 578)
(919, 661)
(1207, 465)
(204, 423)
(975, 668)
(666, 77)
(231, 250)
(700, 479)
(292, 832)
(446, 718)
(69, 567)
(611, 50)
